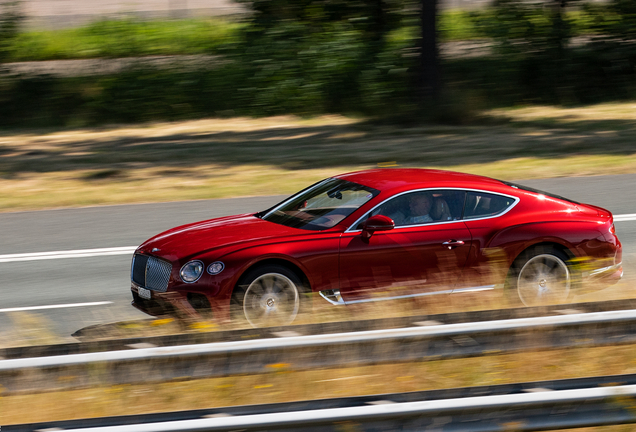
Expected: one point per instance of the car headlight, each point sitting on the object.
(191, 271)
(216, 267)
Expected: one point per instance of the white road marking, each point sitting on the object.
(57, 306)
(80, 253)
(125, 250)
(625, 217)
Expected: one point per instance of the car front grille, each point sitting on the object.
(150, 272)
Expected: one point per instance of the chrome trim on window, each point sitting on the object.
(517, 199)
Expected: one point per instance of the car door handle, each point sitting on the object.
(453, 243)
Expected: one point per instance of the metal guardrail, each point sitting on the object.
(304, 329)
(306, 352)
(520, 407)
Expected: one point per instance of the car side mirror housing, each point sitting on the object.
(376, 223)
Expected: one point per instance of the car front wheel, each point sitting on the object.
(543, 278)
(269, 296)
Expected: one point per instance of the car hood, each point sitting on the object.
(186, 241)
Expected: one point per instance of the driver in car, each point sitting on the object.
(420, 207)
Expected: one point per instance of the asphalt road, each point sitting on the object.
(89, 279)
(105, 279)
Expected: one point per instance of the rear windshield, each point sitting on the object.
(537, 191)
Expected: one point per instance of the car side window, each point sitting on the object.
(422, 207)
(482, 204)
(448, 205)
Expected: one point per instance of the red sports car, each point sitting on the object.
(378, 235)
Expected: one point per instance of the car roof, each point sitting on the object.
(385, 179)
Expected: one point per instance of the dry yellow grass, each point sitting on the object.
(592, 113)
(216, 158)
(281, 385)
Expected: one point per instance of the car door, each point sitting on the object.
(486, 266)
(414, 258)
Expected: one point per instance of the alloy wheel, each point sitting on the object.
(543, 280)
(272, 299)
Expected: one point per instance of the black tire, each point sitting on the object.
(540, 276)
(267, 296)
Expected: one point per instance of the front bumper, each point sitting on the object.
(163, 303)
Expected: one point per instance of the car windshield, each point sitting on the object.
(320, 206)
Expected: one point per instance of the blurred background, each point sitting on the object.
(443, 61)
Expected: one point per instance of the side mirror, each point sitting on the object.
(376, 223)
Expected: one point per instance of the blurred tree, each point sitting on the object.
(533, 37)
(615, 19)
(373, 18)
(322, 55)
(529, 26)
(305, 25)
(428, 65)
(11, 19)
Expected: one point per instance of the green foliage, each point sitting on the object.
(373, 18)
(137, 95)
(10, 20)
(307, 77)
(458, 25)
(593, 73)
(128, 37)
(616, 19)
(312, 57)
(518, 26)
(536, 61)
(291, 69)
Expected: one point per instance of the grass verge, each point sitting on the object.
(281, 385)
(216, 158)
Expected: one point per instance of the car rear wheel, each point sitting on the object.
(543, 278)
(269, 296)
